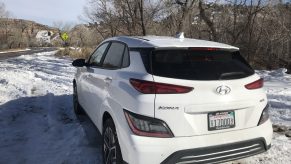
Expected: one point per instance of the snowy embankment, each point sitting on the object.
(37, 123)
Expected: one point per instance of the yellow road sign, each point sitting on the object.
(64, 36)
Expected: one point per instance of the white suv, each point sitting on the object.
(170, 100)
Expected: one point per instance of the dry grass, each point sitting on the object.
(83, 53)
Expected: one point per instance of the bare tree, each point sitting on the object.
(102, 15)
(131, 17)
(261, 28)
(83, 36)
(4, 15)
(186, 8)
(207, 19)
(3, 12)
(63, 26)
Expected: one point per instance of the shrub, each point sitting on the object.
(75, 52)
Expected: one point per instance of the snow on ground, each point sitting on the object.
(2, 52)
(37, 123)
(278, 87)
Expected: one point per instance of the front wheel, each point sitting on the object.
(77, 107)
(111, 148)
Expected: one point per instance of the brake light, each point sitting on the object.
(147, 126)
(256, 84)
(204, 49)
(148, 87)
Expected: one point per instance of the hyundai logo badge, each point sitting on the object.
(223, 90)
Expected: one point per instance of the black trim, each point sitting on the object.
(140, 48)
(100, 66)
(128, 54)
(269, 147)
(125, 162)
(238, 150)
(104, 54)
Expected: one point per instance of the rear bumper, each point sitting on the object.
(220, 146)
(218, 154)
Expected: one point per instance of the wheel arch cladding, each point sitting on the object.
(105, 117)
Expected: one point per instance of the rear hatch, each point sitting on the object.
(219, 100)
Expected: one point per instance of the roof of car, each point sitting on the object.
(167, 42)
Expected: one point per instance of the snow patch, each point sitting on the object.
(8, 51)
(37, 123)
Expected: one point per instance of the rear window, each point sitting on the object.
(199, 65)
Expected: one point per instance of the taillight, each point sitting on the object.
(256, 84)
(147, 126)
(264, 115)
(148, 87)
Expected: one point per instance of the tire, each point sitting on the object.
(110, 148)
(77, 107)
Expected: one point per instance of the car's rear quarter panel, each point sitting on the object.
(122, 96)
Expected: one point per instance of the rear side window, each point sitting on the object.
(200, 65)
(114, 56)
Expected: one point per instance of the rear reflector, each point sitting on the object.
(148, 87)
(256, 84)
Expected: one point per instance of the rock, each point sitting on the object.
(3, 81)
(279, 72)
(282, 129)
(288, 134)
(275, 128)
(279, 128)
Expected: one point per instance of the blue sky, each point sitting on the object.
(46, 11)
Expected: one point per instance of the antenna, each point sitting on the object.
(180, 35)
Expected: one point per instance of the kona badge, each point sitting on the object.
(168, 108)
(223, 90)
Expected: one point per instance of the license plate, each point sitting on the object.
(221, 120)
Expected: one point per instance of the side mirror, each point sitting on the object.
(79, 63)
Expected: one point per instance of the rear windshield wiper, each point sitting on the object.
(232, 75)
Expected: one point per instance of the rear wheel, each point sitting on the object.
(77, 107)
(111, 148)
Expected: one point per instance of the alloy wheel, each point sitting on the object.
(109, 146)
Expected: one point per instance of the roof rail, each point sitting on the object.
(140, 38)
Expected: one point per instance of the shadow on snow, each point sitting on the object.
(45, 129)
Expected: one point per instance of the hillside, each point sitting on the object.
(19, 33)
